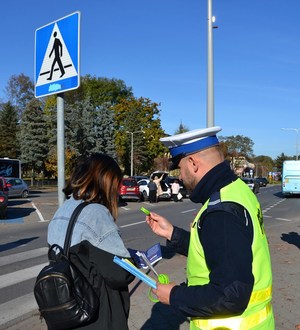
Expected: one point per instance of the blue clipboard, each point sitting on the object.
(130, 267)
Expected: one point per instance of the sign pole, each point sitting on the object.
(60, 148)
(57, 71)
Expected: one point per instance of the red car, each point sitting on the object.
(129, 190)
(3, 205)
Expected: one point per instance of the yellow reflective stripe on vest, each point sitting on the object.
(260, 295)
(234, 323)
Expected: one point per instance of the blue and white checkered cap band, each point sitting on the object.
(189, 148)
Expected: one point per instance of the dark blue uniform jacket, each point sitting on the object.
(226, 237)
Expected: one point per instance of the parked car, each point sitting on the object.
(3, 185)
(129, 190)
(140, 177)
(262, 181)
(3, 205)
(144, 190)
(252, 184)
(170, 179)
(17, 187)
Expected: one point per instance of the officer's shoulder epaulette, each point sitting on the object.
(215, 204)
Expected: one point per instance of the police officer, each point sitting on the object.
(229, 278)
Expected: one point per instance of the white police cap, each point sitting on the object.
(181, 145)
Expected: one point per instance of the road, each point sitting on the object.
(23, 249)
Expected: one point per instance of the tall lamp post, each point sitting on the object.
(131, 153)
(210, 66)
(297, 138)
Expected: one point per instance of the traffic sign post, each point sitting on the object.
(57, 71)
(57, 56)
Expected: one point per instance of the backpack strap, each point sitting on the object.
(71, 226)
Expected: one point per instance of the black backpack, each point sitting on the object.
(65, 298)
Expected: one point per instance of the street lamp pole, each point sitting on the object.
(297, 139)
(131, 153)
(210, 66)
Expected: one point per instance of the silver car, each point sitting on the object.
(17, 187)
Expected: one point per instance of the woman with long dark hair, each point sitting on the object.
(96, 238)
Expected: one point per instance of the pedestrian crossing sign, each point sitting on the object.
(57, 56)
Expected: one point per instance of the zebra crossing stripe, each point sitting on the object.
(10, 259)
(20, 275)
(16, 308)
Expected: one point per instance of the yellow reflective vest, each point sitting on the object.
(258, 314)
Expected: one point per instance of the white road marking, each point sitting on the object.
(20, 275)
(133, 224)
(15, 308)
(282, 219)
(38, 212)
(10, 259)
(187, 211)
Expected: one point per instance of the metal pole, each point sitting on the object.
(210, 68)
(60, 148)
(131, 165)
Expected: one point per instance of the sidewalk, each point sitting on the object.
(284, 241)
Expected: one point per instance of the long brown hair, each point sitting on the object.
(96, 179)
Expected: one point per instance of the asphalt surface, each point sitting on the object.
(284, 242)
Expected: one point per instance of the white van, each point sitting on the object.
(291, 177)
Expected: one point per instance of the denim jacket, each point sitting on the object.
(95, 224)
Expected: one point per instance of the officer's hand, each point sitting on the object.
(160, 225)
(163, 291)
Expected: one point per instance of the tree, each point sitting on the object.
(279, 161)
(20, 91)
(104, 126)
(133, 115)
(33, 137)
(238, 145)
(8, 131)
(181, 129)
(100, 91)
(80, 133)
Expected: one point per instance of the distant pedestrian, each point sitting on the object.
(157, 181)
(152, 191)
(175, 187)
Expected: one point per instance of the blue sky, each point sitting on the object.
(159, 48)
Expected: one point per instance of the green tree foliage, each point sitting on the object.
(8, 131)
(278, 162)
(104, 128)
(80, 133)
(97, 116)
(33, 137)
(99, 90)
(87, 129)
(238, 145)
(20, 91)
(133, 115)
(90, 129)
